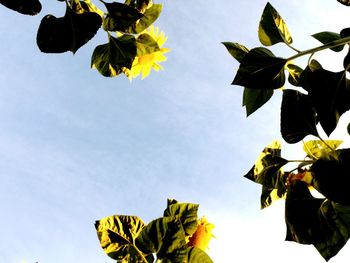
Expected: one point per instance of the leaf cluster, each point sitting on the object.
(122, 22)
(129, 239)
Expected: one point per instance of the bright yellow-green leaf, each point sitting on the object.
(317, 149)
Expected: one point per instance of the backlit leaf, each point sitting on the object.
(294, 74)
(26, 7)
(326, 37)
(260, 69)
(110, 58)
(146, 44)
(272, 28)
(253, 99)
(236, 50)
(316, 149)
(298, 117)
(196, 255)
(68, 33)
(117, 235)
(149, 16)
(120, 17)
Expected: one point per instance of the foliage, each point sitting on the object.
(129, 239)
(315, 100)
(125, 25)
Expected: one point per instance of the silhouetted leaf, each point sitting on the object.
(260, 69)
(68, 33)
(145, 44)
(346, 61)
(117, 235)
(120, 17)
(236, 50)
(110, 58)
(326, 37)
(187, 213)
(272, 28)
(26, 7)
(149, 16)
(165, 237)
(316, 149)
(294, 74)
(330, 96)
(196, 255)
(139, 4)
(298, 117)
(344, 2)
(253, 99)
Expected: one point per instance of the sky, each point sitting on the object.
(76, 147)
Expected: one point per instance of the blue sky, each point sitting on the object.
(76, 147)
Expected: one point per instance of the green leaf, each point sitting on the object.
(236, 50)
(196, 255)
(68, 33)
(110, 58)
(294, 74)
(298, 117)
(330, 95)
(253, 99)
(120, 17)
(26, 7)
(316, 149)
(117, 235)
(145, 44)
(272, 28)
(267, 172)
(166, 237)
(326, 37)
(187, 213)
(149, 16)
(260, 69)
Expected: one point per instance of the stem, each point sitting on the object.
(301, 161)
(334, 43)
(290, 46)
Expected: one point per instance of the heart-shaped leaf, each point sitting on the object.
(120, 17)
(260, 69)
(110, 58)
(253, 99)
(236, 50)
(26, 7)
(326, 37)
(68, 33)
(272, 28)
(149, 16)
(298, 117)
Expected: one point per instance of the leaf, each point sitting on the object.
(253, 99)
(110, 58)
(316, 149)
(272, 28)
(260, 69)
(298, 117)
(26, 7)
(330, 96)
(166, 237)
(90, 7)
(346, 61)
(120, 17)
(294, 74)
(68, 33)
(196, 255)
(267, 172)
(139, 4)
(145, 44)
(236, 50)
(117, 235)
(344, 2)
(187, 213)
(326, 37)
(149, 16)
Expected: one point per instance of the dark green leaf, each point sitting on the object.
(330, 96)
(26, 7)
(149, 16)
(326, 37)
(120, 17)
(110, 58)
(253, 99)
(145, 44)
(272, 28)
(187, 213)
(196, 255)
(260, 69)
(298, 117)
(294, 74)
(117, 235)
(68, 33)
(236, 50)
(165, 237)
